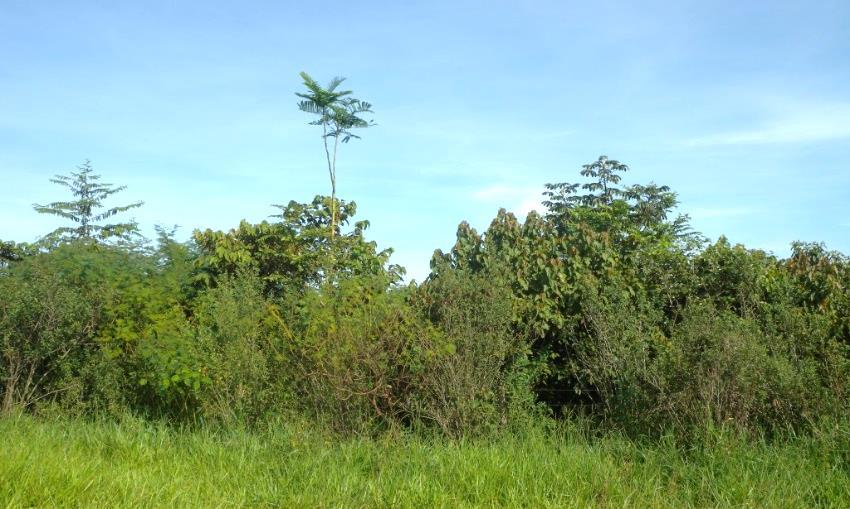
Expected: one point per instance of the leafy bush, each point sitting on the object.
(715, 367)
(237, 345)
(354, 351)
(169, 366)
(51, 317)
(295, 252)
(719, 369)
(364, 356)
(616, 363)
(725, 370)
(46, 331)
(483, 379)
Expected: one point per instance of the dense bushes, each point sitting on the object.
(712, 367)
(46, 327)
(236, 340)
(363, 356)
(482, 379)
(66, 317)
(92, 328)
(635, 321)
(720, 368)
(355, 351)
(602, 307)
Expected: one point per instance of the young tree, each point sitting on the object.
(84, 209)
(338, 114)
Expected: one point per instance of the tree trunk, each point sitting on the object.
(332, 175)
(333, 188)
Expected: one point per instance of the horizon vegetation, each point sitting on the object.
(605, 314)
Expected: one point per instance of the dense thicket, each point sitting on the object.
(606, 306)
(636, 320)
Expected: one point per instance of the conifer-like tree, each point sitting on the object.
(87, 209)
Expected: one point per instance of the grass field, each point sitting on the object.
(137, 464)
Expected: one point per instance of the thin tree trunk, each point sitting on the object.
(331, 174)
(333, 186)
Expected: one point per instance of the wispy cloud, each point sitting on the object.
(518, 199)
(789, 123)
(528, 205)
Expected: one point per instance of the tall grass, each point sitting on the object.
(134, 463)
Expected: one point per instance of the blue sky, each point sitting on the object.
(743, 108)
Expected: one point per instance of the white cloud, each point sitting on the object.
(791, 122)
(528, 205)
(518, 199)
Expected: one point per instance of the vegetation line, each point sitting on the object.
(703, 371)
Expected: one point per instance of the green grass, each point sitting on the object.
(138, 464)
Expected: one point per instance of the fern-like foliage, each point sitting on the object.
(86, 209)
(338, 113)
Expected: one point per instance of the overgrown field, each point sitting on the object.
(141, 464)
(606, 310)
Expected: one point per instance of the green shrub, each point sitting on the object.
(46, 330)
(483, 382)
(51, 314)
(354, 352)
(724, 369)
(616, 362)
(714, 367)
(170, 368)
(97, 328)
(237, 345)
